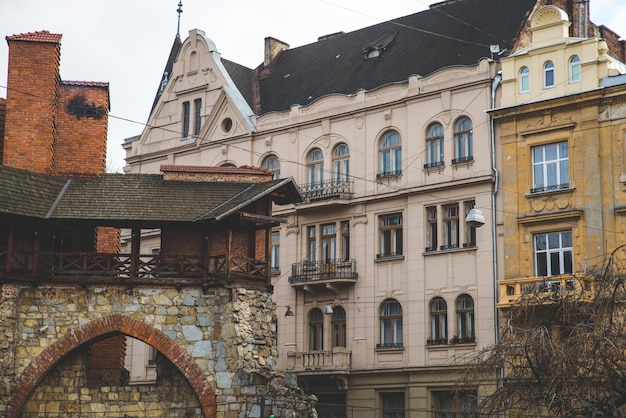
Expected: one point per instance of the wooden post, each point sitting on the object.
(228, 251)
(135, 242)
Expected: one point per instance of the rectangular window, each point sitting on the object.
(311, 234)
(470, 231)
(393, 405)
(275, 252)
(345, 240)
(186, 116)
(390, 235)
(450, 404)
(431, 231)
(197, 116)
(450, 227)
(550, 167)
(553, 253)
(329, 243)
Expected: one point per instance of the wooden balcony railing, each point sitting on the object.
(339, 358)
(92, 267)
(321, 271)
(545, 290)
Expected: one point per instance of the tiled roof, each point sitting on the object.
(449, 33)
(85, 83)
(121, 198)
(39, 36)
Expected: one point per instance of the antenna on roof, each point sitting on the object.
(179, 10)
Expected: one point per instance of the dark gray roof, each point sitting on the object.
(457, 32)
(118, 198)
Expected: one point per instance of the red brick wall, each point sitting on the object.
(179, 241)
(33, 82)
(108, 354)
(108, 240)
(3, 109)
(82, 122)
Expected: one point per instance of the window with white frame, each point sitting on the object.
(272, 164)
(524, 80)
(390, 230)
(465, 320)
(450, 227)
(316, 330)
(463, 141)
(434, 146)
(438, 322)
(574, 69)
(550, 167)
(390, 324)
(341, 163)
(329, 243)
(390, 153)
(312, 243)
(431, 228)
(445, 226)
(548, 75)
(315, 167)
(275, 252)
(197, 122)
(140, 361)
(333, 245)
(470, 231)
(339, 327)
(553, 253)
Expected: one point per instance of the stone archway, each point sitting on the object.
(115, 323)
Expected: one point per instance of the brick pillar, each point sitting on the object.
(32, 89)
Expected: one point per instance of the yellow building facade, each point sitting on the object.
(561, 148)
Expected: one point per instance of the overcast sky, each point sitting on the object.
(126, 42)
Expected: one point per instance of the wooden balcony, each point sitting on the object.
(545, 290)
(324, 273)
(95, 268)
(319, 362)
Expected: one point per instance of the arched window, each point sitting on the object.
(548, 74)
(390, 152)
(438, 322)
(524, 80)
(434, 146)
(574, 69)
(315, 167)
(316, 330)
(390, 324)
(272, 164)
(339, 327)
(463, 141)
(465, 319)
(341, 163)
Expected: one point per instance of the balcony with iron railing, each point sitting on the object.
(154, 269)
(320, 361)
(545, 290)
(322, 272)
(327, 190)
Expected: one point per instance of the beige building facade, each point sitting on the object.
(379, 280)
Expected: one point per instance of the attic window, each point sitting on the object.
(378, 46)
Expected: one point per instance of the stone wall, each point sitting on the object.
(217, 351)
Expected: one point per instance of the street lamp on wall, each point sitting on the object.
(475, 218)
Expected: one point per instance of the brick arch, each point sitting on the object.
(115, 323)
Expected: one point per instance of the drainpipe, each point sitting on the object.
(494, 233)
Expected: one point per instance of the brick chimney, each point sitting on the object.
(52, 126)
(32, 91)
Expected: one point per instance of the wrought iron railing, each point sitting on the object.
(310, 271)
(549, 188)
(329, 189)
